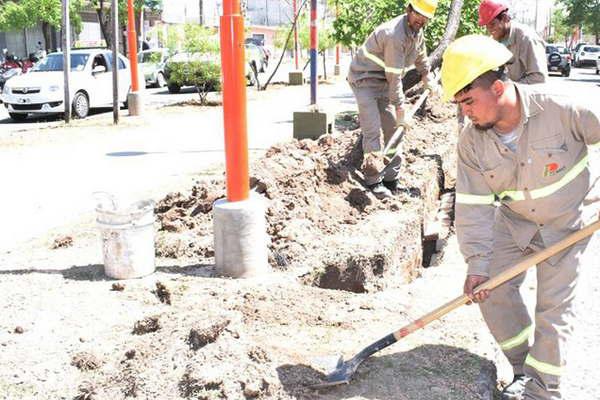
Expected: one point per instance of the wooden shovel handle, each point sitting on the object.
(499, 279)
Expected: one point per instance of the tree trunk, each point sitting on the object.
(105, 24)
(47, 36)
(435, 58)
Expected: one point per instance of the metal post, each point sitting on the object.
(234, 101)
(115, 58)
(313, 51)
(66, 48)
(295, 7)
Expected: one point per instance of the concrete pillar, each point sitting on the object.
(135, 103)
(240, 237)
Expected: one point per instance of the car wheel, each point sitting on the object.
(174, 88)
(253, 75)
(161, 82)
(598, 72)
(81, 105)
(17, 117)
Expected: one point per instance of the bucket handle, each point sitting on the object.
(103, 198)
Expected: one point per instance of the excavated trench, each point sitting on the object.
(323, 225)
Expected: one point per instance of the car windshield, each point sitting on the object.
(149, 57)
(551, 49)
(54, 62)
(592, 49)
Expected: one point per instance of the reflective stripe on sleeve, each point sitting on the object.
(464, 198)
(517, 340)
(543, 367)
(381, 63)
(594, 146)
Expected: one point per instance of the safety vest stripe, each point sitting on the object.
(543, 367)
(518, 195)
(464, 198)
(594, 146)
(517, 340)
(391, 152)
(566, 179)
(381, 63)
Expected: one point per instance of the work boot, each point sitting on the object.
(515, 390)
(392, 185)
(380, 191)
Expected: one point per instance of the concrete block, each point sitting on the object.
(135, 103)
(336, 69)
(312, 124)
(296, 78)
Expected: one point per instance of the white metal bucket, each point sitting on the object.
(127, 238)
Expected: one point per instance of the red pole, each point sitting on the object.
(295, 35)
(234, 101)
(132, 45)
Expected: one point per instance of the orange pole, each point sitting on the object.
(132, 45)
(234, 101)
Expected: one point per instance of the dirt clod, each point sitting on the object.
(19, 330)
(117, 287)
(85, 361)
(200, 336)
(62, 242)
(147, 325)
(163, 294)
(86, 391)
(130, 354)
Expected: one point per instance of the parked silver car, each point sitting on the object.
(152, 66)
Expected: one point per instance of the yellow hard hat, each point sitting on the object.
(468, 58)
(424, 7)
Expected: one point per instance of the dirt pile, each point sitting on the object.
(322, 222)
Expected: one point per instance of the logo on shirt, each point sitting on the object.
(552, 169)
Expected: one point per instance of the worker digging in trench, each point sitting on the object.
(523, 184)
(375, 77)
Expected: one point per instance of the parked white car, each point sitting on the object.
(598, 66)
(41, 90)
(587, 54)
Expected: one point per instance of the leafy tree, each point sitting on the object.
(200, 39)
(584, 13)
(16, 15)
(358, 18)
(562, 29)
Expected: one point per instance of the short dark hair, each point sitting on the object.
(487, 79)
(502, 15)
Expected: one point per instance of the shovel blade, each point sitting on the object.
(341, 375)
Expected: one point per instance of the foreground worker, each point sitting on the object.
(375, 77)
(528, 64)
(523, 184)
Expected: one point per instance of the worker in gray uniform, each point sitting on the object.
(523, 184)
(375, 77)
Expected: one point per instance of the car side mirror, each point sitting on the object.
(98, 69)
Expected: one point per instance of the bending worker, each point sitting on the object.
(375, 77)
(528, 64)
(523, 184)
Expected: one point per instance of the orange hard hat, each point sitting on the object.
(489, 9)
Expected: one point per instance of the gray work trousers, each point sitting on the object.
(376, 114)
(508, 320)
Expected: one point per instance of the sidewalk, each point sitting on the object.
(50, 174)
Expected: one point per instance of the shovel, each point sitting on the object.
(345, 369)
(398, 134)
